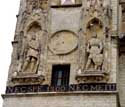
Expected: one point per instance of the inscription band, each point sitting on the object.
(70, 88)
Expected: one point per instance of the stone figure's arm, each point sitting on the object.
(88, 47)
(101, 46)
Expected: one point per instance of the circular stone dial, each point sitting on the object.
(63, 42)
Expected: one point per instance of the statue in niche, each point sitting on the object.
(32, 54)
(95, 56)
(96, 6)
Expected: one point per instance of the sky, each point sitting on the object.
(8, 11)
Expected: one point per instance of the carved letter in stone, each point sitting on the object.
(95, 56)
(32, 55)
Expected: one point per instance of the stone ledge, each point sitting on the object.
(56, 93)
(28, 79)
(92, 76)
(68, 6)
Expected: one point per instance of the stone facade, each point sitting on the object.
(63, 100)
(67, 43)
(80, 21)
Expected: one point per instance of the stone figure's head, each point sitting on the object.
(94, 35)
(33, 37)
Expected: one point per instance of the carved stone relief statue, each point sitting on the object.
(32, 53)
(28, 68)
(94, 6)
(95, 56)
(31, 4)
(94, 70)
(96, 52)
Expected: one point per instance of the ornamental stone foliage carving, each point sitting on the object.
(32, 54)
(31, 49)
(97, 5)
(59, 45)
(94, 70)
(36, 5)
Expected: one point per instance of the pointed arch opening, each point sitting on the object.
(33, 26)
(94, 25)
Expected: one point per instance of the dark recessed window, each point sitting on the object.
(60, 75)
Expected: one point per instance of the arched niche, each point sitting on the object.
(94, 25)
(31, 48)
(33, 28)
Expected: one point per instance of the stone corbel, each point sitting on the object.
(92, 76)
(25, 79)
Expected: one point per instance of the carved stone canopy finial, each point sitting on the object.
(67, 1)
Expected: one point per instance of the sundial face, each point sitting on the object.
(63, 42)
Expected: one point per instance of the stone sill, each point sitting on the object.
(30, 79)
(57, 93)
(68, 6)
(14, 42)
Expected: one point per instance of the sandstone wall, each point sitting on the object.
(61, 100)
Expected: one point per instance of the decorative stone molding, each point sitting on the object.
(26, 79)
(92, 76)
